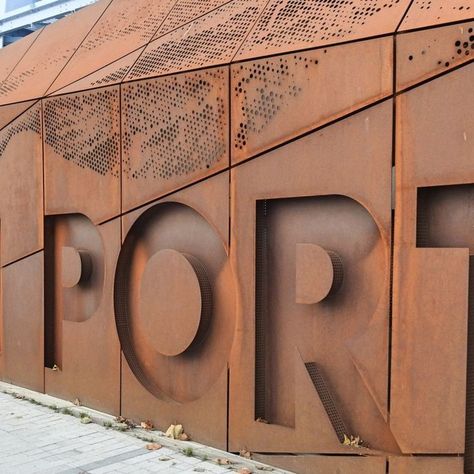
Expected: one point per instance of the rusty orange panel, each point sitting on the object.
(285, 25)
(183, 377)
(9, 112)
(125, 26)
(48, 55)
(277, 98)
(175, 131)
(435, 12)
(311, 464)
(212, 39)
(185, 11)
(81, 337)
(82, 154)
(10, 56)
(426, 465)
(314, 372)
(109, 75)
(423, 54)
(22, 329)
(430, 313)
(21, 199)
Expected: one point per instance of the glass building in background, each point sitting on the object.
(19, 18)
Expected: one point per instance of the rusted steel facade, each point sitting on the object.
(253, 217)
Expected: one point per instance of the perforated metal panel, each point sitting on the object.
(276, 98)
(84, 129)
(209, 40)
(48, 55)
(432, 12)
(423, 54)
(112, 74)
(125, 26)
(185, 11)
(21, 186)
(174, 131)
(9, 57)
(82, 153)
(292, 24)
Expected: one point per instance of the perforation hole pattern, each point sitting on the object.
(261, 88)
(45, 65)
(212, 39)
(175, 126)
(442, 8)
(185, 11)
(137, 21)
(285, 23)
(30, 121)
(84, 129)
(113, 77)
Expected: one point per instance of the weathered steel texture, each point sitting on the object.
(21, 186)
(286, 25)
(184, 378)
(218, 241)
(302, 193)
(312, 464)
(21, 307)
(81, 342)
(10, 112)
(82, 154)
(424, 13)
(125, 26)
(426, 465)
(44, 60)
(11, 56)
(109, 75)
(186, 11)
(212, 39)
(430, 313)
(174, 131)
(423, 54)
(278, 98)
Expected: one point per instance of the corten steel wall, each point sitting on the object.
(253, 217)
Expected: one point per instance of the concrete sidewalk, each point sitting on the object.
(38, 439)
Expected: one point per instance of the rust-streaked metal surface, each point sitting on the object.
(431, 289)
(184, 378)
(286, 25)
(308, 192)
(313, 464)
(174, 131)
(82, 154)
(255, 221)
(81, 340)
(212, 39)
(22, 323)
(423, 13)
(278, 98)
(21, 187)
(426, 465)
(47, 56)
(125, 26)
(423, 54)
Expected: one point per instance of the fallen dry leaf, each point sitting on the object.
(222, 461)
(262, 420)
(147, 425)
(153, 446)
(245, 454)
(244, 470)
(176, 432)
(77, 402)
